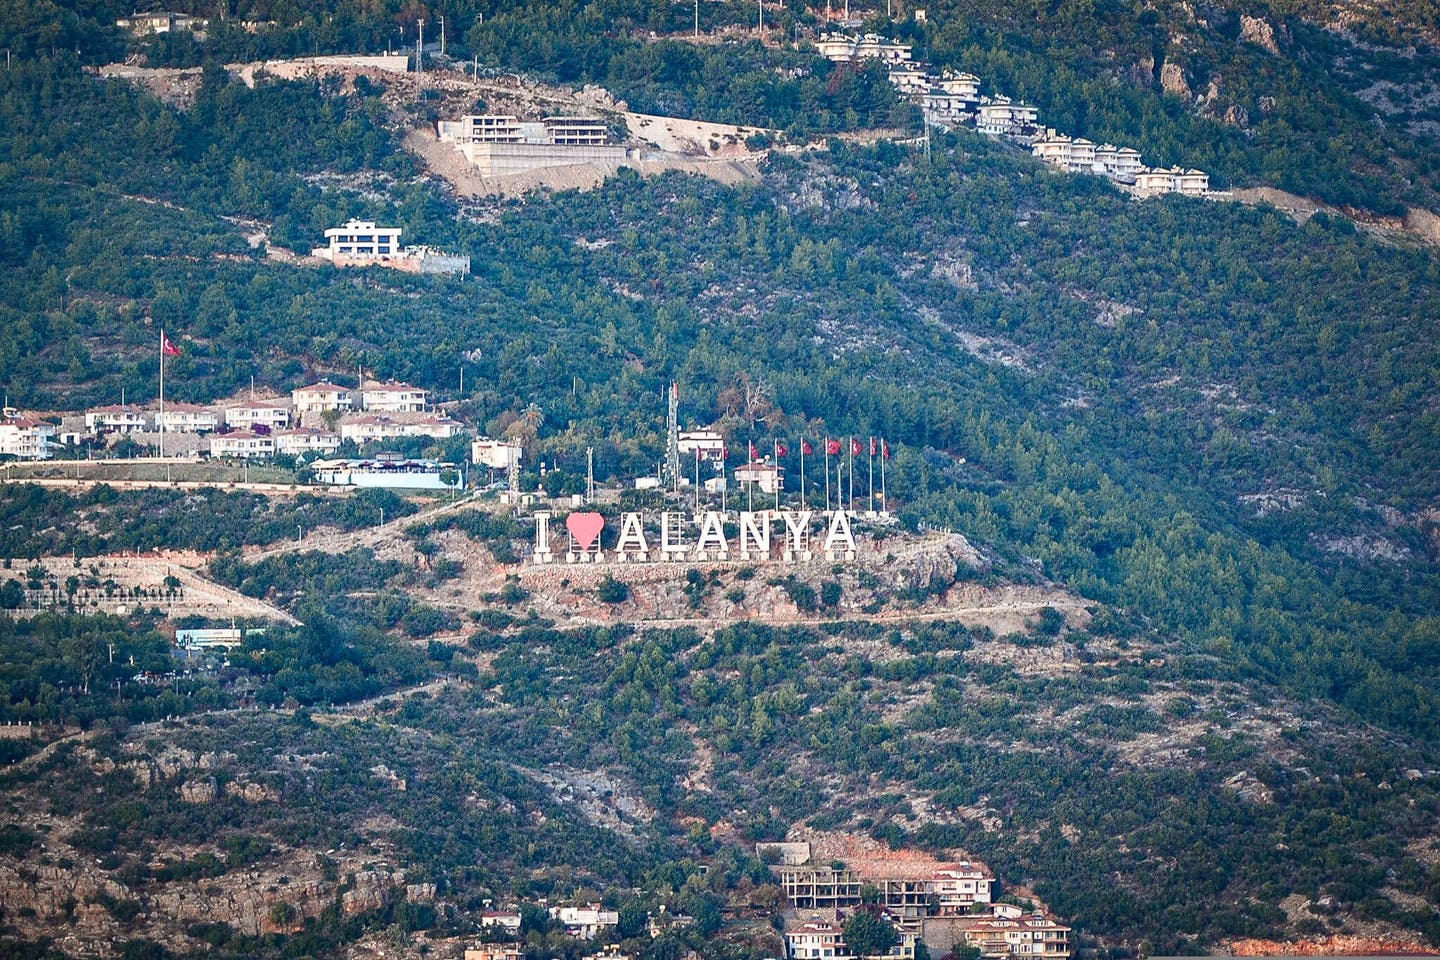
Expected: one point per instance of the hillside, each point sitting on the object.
(1187, 694)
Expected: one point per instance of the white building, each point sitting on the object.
(1118, 163)
(26, 439)
(305, 440)
(910, 79)
(360, 239)
(842, 48)
(274, 414)
(1077, 155)
(705, 444)
(116, 419)
(1001, 117)
(389, 470)
(585, 922)
(947, 108)
(1031, 936)
(507, 920)
(242, 444)
(1192, 183)
(496, 454)
(144, 24)
(322, 396)
(500, 144)
(958, 885)
(817, 939)
(965, 85)
(392, 397)
(767, 477)
(373, 427)
(186, 418)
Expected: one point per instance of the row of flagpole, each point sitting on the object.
(833, 448)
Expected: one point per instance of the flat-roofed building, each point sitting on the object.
(391, 470)
(1192, 183)
(360, 239)
(959, 84)
(910, 79)
(496, 454)
(368, 428)
(1002, 117)
(117, 419)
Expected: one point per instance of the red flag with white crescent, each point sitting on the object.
(874, 447)
(806, 449)
(854, 447)
(832, 447)
(754, 453)
(168, 348)
(885, 449)
(781, 450)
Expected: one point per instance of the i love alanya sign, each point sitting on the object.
(689, 538)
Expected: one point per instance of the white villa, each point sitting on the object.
(186, 418)
(117, 419)
(360, 239)
(392, 396)
(584, 923)
(1001, 117)
(242, 444)
(305, 440)
(322, 396)
(26, 439)
(369, 428)
(274, 414)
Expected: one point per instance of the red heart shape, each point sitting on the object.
(584, 527)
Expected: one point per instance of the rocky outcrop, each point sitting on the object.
(1342, 945)
(1259, 32)
(199, 791)
(1172, 80)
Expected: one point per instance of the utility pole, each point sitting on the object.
(697, 19)
(442, 34)
(589, 475)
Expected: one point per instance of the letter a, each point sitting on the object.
(839, 536)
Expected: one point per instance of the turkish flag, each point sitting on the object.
(168, 348)
(874, 447)
(806, 449)
(854, 447)
(781, 450)
(754, 454)
(832, 447)
(885, 449)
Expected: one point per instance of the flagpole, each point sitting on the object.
(162, 394)
(803, 441)
(850, 500)
(777, 474)
(884, 453)
(697, 481)
(750, 487)
(827, 472)
(872, 475)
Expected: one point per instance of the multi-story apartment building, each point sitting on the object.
(392, 396)
(1035, 935)
(242, 444)
(305, 440)
(26, 439)
(322, 396)
(274, 414)
(186, 418)
(117, 419)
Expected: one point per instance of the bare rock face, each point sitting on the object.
(1237, 116)
(1142, 72)
(199, 791)
(1258, 31)
(1172, 80)
(251, 792)
(1423, 222)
